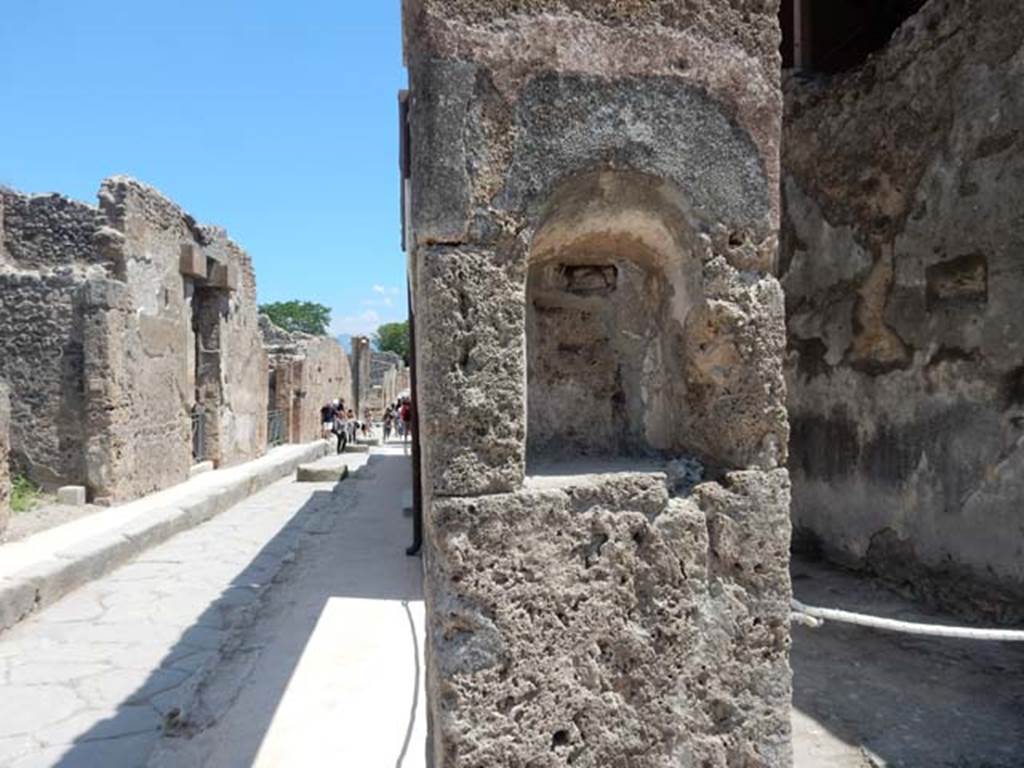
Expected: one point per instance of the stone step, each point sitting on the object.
(332, 469)
(357, 448)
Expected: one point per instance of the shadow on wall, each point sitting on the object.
(240, 607)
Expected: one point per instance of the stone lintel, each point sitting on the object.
(193, 261)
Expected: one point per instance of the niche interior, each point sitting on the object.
(612, 278)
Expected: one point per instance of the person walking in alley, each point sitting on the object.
(339, 429)
(327, 419)
(331, 418)
(352, 425)
(389, 423)
(405, 415)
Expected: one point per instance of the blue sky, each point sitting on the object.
(275, 120)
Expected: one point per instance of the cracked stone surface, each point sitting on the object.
(91, 680)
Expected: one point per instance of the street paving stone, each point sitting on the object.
(89, 680)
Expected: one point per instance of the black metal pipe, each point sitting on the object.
(417, 491)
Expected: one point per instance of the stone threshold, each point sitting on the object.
(37, 571)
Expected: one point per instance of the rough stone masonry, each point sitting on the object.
(119, 322)
(901, 257)
(306, 372)
(592, 237)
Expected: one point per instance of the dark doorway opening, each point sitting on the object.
(838, 35)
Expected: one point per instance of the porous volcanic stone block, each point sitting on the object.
(470, 330)
(594, 191)
(224, 276)
(441, 209)
(71, 495)
(607, 623)
(192, 262)
(329, 470)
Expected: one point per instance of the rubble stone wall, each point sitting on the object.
(308, 372)
(141, 378)
(596, 179)
(48, 249)
(243, 360)
(97, 310)
(903, 263)
(389, 377)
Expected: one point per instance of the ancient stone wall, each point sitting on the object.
(5, 467)
(395, 383)
(99, 308)
(594, 212)
(902, 263)
(141, 369)
(362, 367)
(381, 363)
(242, 426)
(307, 372)
(48, 249)
(389, 377)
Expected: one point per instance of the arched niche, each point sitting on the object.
(612, 276)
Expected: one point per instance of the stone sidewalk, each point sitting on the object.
(38, 570)
(94, 679)
(330, 674)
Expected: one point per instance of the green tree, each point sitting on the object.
(304, 316)
(394, 337)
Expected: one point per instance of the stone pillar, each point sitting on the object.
(594, 195)
(107, 313)
(5, 455)
(362, 360)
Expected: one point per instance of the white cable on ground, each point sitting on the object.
(813, 617)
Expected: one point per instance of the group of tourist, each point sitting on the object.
(342, 423)
(398, 420)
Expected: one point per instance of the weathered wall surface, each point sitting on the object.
(141, 371)
(243, 361)
(362, 370)
(903, 268)
(48, 249)
(610, 622)
(389, 377)
(5, 449)
(395, 383)
(97, 310)
(600, 177)
(308, 372)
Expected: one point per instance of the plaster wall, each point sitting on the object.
(902, 262)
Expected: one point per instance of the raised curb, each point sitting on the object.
(328, 470)
(44, 582)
